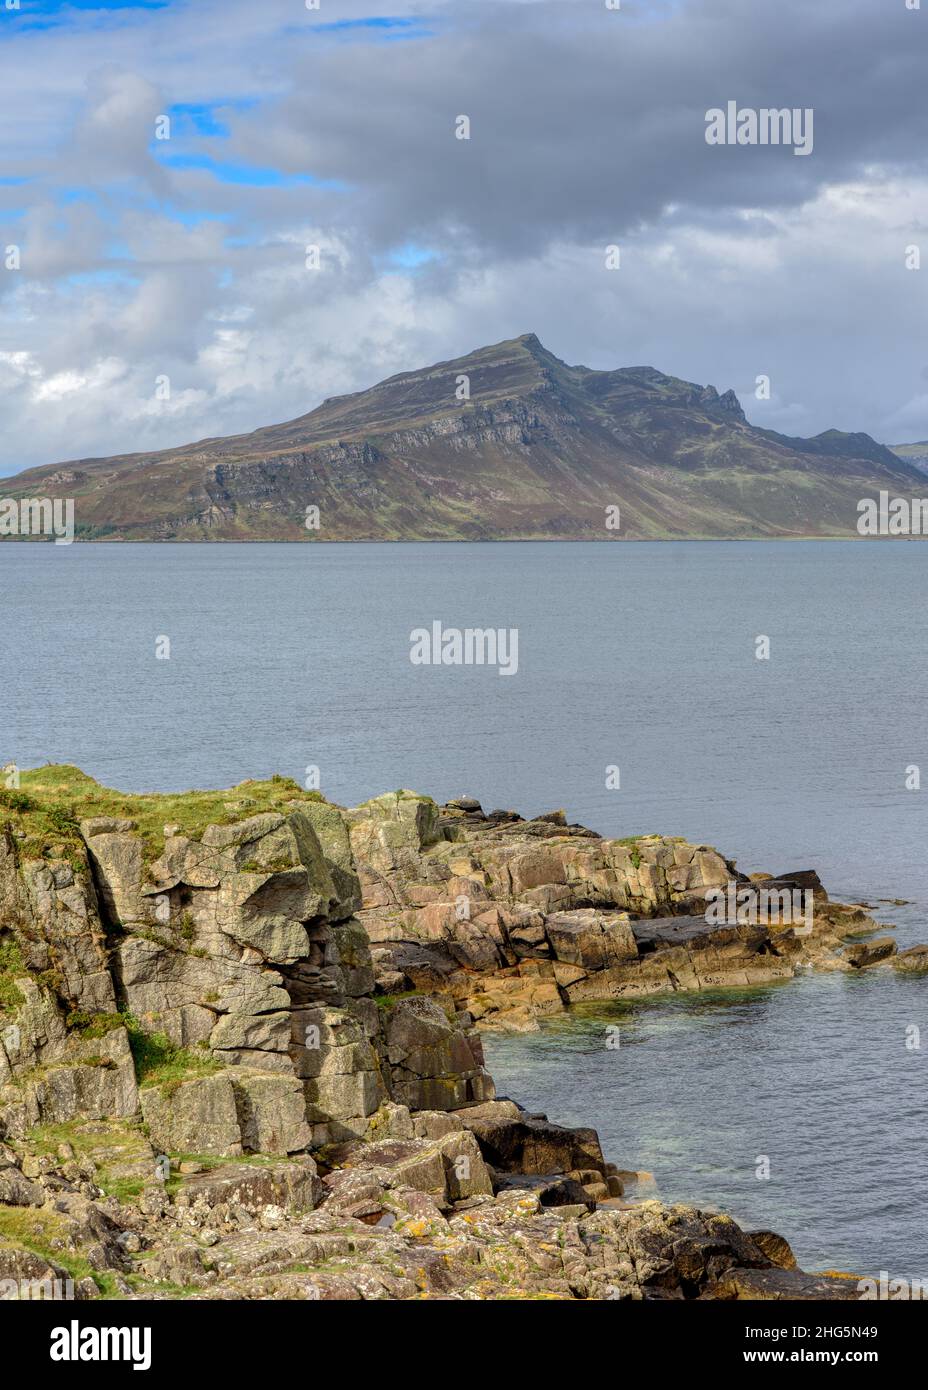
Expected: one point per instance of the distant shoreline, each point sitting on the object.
(471, 540)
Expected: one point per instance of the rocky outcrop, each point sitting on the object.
(242, 1059)
(515, 919)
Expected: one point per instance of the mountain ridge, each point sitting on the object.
(506, 442)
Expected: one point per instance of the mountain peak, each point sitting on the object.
(524, 344)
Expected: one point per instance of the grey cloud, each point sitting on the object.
(588, 127)
(586, 123)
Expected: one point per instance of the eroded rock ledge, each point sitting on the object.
(240, 1057)
(514, 919)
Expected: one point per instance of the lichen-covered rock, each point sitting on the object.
(196, 1116)
(271, 1112)
(342, 1079)
(388, 831)
(354, 951)
(52, 906)
(331, 827)
(466, 1173)
(50, 1074)
(293, 1186)
(117, 858)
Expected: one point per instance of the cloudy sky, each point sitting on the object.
(334, 126)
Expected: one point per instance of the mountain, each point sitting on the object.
(539, 450)
(916, 454)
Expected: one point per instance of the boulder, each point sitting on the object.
(293, 1186)
(18, 1191)
(914, 959)
(196, 1116)
(116, 856)
(524, 1143)
(865, 953)
(775, 1247)
(434, 1065)
(551, 1189)
(331, 827)
(271, 1112)
(387, 830)
(415, 1163)
(591, 939)
(466, 1173)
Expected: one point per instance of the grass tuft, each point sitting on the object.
(11, 966)
(158, 1062)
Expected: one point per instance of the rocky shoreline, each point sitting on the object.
(515, 919)
(240, 1047)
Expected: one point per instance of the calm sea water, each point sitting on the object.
(638, 656)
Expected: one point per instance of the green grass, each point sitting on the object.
(87, 1025)
(186, 926)
(125, 1190)
(115, 1146)
(11, 965)
(158, 1062)
(387, 1001)
(47, 1234)
(52, 800)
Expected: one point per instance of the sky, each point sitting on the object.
(167, 166)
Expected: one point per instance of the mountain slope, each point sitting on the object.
(539, 450)
(916, 454)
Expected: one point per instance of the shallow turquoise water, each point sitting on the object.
(812, 1074)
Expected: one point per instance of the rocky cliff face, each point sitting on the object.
(239, 947)
(238, 1058)
(507, 441)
